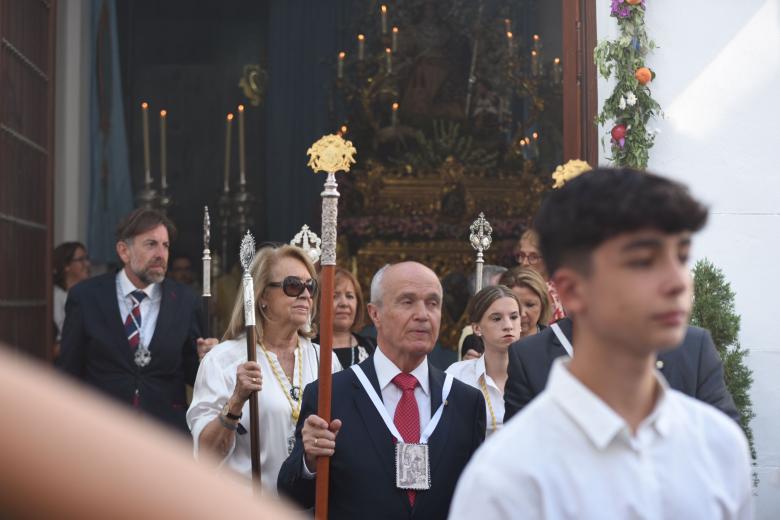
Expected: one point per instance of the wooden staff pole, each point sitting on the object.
(246, 255)
(330, 154)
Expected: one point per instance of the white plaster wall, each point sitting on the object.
(71, 131)
(718, 72)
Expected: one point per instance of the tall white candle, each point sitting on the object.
(228, 131)
(163, 151)
(241, 147)
(147, 166)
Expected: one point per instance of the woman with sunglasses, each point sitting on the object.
(349, 316)
(494, 313)
(287, 360)
(70, 265)
(527, 254)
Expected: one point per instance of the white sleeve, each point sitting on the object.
(209, 396)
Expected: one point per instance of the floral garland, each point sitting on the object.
(630, 106)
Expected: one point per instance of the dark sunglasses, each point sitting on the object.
(294, 286)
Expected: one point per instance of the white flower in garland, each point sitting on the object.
(622, 103)
(630, 99)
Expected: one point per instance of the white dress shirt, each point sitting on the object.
(150, 306)
(473, 373)
(569, 455)
(58, 305)
(391, 394)
(214, 385)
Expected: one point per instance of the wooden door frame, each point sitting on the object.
(580, 96)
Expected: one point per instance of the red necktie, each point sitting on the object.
(407, 415)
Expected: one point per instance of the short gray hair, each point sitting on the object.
(376, 285)
(488, 271)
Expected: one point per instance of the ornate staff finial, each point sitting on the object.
(245, 255)
(308, 240)
(331, 154)
(480, 240)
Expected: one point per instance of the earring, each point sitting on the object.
(263, 306)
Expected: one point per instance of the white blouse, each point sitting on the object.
(215, 383)
(473, 373)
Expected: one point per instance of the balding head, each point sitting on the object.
(405, 306)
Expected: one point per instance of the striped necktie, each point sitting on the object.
(133, 321)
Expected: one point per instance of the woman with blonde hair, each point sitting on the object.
(527, 254)
(531, 292)
(287, 360)
(494, 313)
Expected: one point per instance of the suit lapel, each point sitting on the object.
(380, 437)
(115, 322)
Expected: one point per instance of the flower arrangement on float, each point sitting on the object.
(630, 106)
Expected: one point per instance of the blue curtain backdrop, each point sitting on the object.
(303, 44)
(110, 196)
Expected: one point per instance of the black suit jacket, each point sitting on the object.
(95, 349)
(362, 470)
(694, 368)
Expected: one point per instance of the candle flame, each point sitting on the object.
(533, 53)
(163, 113)
(522, 142)
(395, 107)
(387, 50)
(361, 37)
(509, 34)
(343, 129)
(536, 37)
(240, 108)
(383, 8)
(144, 105)
(395, 30)
(536, 135)
(342, 55)
(230, 117)
(557, 61)
(527, 141)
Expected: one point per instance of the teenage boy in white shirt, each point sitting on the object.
(608, 438)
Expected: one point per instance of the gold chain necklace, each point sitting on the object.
(295, 406)
(487, 399)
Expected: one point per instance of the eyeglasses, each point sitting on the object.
(532, 258)
(294, 286)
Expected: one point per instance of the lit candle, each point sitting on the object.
(536, 144)
(537, 42)
(534, 63)
(343, 130)
(383, 8)
(163, 155)
(394, 45)
(361, 47)
(340, 65)
(241, 147)
(389, 55)
(394, 117)
(507, 25)
(147, 167)
(556, 71)
(523, 149)
(228, 130)
(510, 41)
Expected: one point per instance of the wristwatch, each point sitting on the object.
(226, 413)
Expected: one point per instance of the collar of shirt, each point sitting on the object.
(386, 371)
(480, 370)
(126, 286)
(600, 422)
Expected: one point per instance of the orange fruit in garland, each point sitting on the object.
(643, 75)
(633, 2)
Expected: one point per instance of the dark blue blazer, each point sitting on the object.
(694, 368)
(362, 470)
(95, 350)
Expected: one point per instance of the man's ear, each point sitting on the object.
(373, 313)
(569, 285)
(123, 250)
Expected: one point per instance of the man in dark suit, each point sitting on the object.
(406, 309)
(694, 368)
(135, 335)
